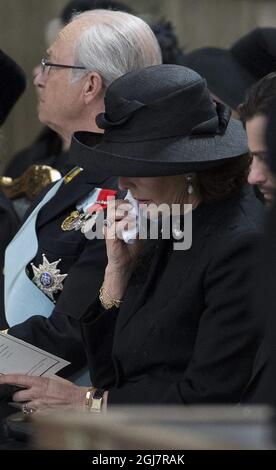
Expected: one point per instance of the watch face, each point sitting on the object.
(97, 400)
(96, 405)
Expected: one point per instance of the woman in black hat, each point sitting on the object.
(170, 325)
(12, 85)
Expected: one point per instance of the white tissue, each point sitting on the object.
(129, 236)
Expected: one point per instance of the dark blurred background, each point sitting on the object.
(197, 22)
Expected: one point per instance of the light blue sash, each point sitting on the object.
(22, 298)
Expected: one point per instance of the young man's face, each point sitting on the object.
(259, 173)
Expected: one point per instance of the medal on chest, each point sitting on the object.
(47, 277)
(88, 210)
(71, 222)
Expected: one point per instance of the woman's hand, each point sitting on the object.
(121, 256)
(44, 393)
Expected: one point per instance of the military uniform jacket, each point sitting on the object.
(81, 259)
(184, 333)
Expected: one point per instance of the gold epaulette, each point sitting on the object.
(30, 183)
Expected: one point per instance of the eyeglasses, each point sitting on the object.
(44, 64)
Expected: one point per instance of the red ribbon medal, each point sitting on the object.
(94, 210)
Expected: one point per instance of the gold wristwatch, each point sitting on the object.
(96, 401)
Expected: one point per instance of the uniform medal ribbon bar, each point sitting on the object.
(90, 207)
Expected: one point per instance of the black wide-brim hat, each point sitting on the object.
(159, 121)
(231, 72)
(12, 84)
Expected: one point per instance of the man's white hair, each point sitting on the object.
(114, 44)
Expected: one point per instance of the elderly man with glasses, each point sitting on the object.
(50, 267)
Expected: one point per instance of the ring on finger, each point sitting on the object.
(107, 223)
(27, 410)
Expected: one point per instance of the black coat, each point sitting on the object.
(9, 225)
(261, 388)
(45, 150)
(184, 333)
(81, 259)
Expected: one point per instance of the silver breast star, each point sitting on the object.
(48, 278)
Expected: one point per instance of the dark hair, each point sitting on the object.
(79, 6)
(225, 180)
(168, 42)
(258, 98)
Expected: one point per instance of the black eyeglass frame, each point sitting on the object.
(44, 63)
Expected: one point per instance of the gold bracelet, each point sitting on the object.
(109, 302)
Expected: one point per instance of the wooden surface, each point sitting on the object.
(171, 428)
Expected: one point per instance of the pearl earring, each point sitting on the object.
(190, 188)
